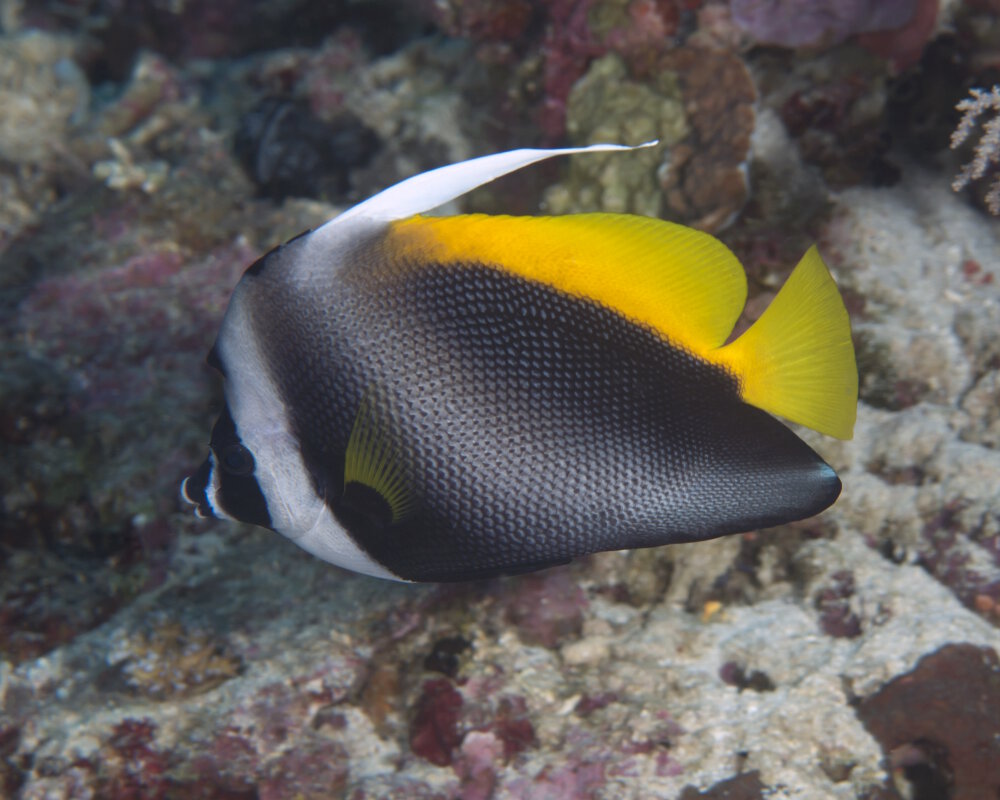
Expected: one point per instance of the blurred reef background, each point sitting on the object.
(151, 149)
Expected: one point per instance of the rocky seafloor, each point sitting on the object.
(149, 153)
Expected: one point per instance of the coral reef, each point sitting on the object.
(147, 654)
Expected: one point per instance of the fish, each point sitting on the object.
(452, 398)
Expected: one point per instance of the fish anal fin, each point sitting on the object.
(797, 360)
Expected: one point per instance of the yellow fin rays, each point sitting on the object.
(797, 360)
(373, 458)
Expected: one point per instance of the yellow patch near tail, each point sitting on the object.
(797, 360)
(372, 460)
(683, 283)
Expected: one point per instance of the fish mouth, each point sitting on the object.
(194, 490)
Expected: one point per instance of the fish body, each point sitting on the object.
(450, 398)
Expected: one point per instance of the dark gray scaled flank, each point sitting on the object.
(533, 426)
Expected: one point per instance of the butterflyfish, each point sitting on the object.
(429, 398)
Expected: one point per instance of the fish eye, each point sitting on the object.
(235, 459)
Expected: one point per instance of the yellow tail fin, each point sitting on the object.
(797, 360)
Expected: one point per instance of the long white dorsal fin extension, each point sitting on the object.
(431, 189)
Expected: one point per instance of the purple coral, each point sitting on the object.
(804, 23)
(434, 733)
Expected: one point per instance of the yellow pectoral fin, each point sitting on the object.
(683, 283)
(797, 360)
(373, 460)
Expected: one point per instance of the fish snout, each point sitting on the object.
(194, 490)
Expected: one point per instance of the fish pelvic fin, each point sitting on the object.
(797, 360)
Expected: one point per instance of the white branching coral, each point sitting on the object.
(987, 150)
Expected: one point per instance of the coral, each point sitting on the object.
(45, 99)
(513, 728)
(947, 551)
(987, 150)
(193, 29)
(316, 770)
(132, 768)
(481, 20)
(168, 660)
(289, 152)
(839, 129)
(801, 23)
(545, 608)
(43, 94)
(477, 763)
(104, 330)
(230, 761)
(833, 602)
(903, 45)
(741, 787)
(580, 31)
(605, 106)
(704, 179)
(44, 603)
(324, 77)
(938, 724)
(94, 358)
(580, 780)
(434, 733)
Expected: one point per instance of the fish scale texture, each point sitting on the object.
(533, 427)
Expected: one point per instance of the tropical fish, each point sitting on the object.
(448, 398)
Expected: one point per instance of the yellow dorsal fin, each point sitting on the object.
(683, 283)
(797, 360)
(373, 461)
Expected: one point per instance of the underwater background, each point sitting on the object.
(150, 150)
